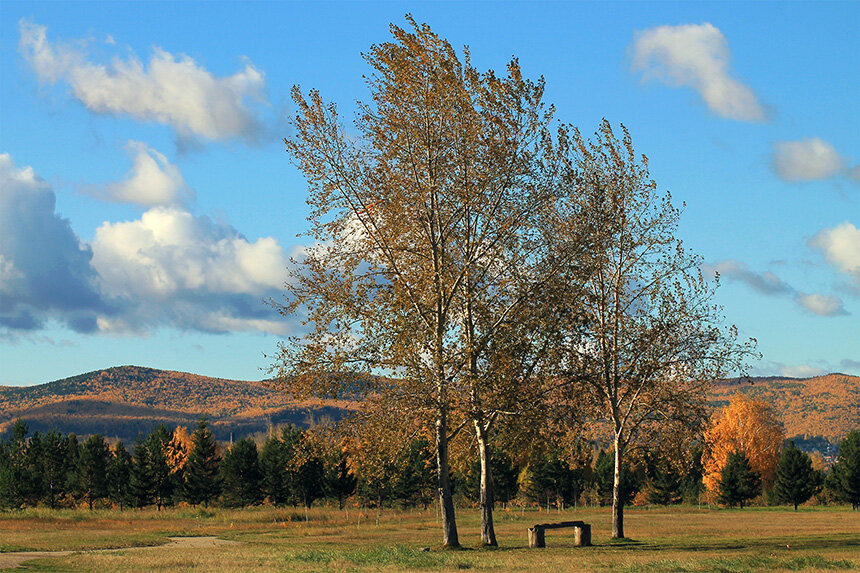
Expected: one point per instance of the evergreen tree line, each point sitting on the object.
(796, 481)
(57, 470)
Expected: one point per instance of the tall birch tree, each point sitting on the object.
(423, 220)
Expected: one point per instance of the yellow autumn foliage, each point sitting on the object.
(748, 425)
(178, 449)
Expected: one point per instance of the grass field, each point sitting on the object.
(674, 539)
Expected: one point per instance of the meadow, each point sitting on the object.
(326, 539)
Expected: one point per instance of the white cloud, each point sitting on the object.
(841, 247)
(152, 180)
(45, 270)
(801, 371)
(822, 305)
(765, 283)
(768, 283)
(805, 160)
(173, 90)
(189, 271)
(696, 56)
(168, 268)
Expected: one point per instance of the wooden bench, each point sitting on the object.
(581, 533)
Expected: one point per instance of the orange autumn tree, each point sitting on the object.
(750, 426)
(178, 449)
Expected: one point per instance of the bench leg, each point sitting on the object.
(536, 537)
(582, 535)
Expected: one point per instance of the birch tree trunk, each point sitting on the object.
(617, 498)
(446, 500)
(488, 533)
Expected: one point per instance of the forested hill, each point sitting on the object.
(827, 406)
(122, 401)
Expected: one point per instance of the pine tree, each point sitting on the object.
(738, 481)
(53, 466)
(93, 468)
(163, 480)
(5, 474)
(309, 480)
(665, 485)
(844, 477)
(34, 477)
(119, 476)
(73, 455)
(141, 484)
(338, 481)
(240, 471)
(604, 475)
(202, 476)
(13, 465)
(796, 481)
(413, 479)
(277, 481)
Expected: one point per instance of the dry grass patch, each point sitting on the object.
(675, 539)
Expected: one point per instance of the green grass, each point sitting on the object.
(675, 539)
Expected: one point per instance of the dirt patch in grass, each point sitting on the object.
(14, 559)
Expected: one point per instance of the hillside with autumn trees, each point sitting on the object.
(122, 401)
(826, 406)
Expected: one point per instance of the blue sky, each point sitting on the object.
(147, 206)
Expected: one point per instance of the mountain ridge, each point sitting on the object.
(122, 400)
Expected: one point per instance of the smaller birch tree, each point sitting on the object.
(654, 338)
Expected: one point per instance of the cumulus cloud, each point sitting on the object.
(769, 284)
(152, 180)
(168, 268)
(822, 305)
(801, 371)
(188, 271)
(173, 90)
(45, 270)
(696, 56)
(851, 365)
(765, 283)
(841, 248)
(806, 160)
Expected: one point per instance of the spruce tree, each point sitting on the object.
(338, 481)
(141, 484)
(5, 474)
(53, 465)
(738, 481)
(33, 480)
(277, 481)
(163, 482)
(119, 477)
(604, 475)
(240, 471)
(202, 477)
(665, 485)
(309, 480)
(844, 477)
(796, 481)
(93, 468)
(13, 465)
(413, 479)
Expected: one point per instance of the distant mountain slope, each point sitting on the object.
(826, 406)
(122, 401)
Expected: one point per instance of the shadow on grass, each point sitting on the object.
(810, 542)
(740, 564)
